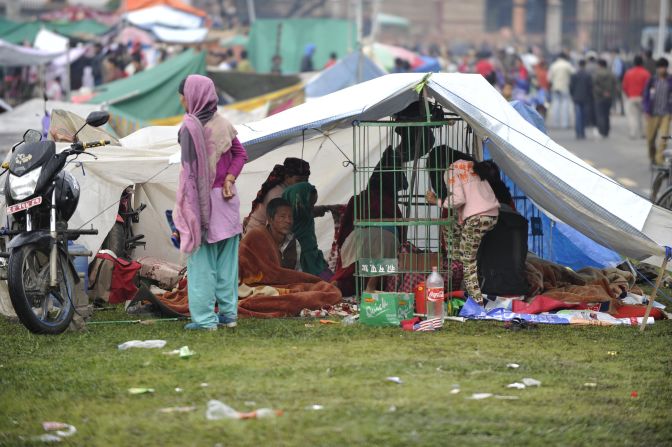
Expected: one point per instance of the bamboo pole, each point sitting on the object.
(661, 274)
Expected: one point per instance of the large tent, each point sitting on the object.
(557, 181)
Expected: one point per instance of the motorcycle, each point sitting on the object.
(41, 197)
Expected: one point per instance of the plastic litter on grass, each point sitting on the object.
(315, 407)
(395, 379)
(513, 365)
(169, 410)
(140, 390)
(527, 381)
(147, 344)
(219, 410)
(516, 385)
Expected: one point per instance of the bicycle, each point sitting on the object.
(663, 180)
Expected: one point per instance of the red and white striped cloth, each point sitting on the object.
(428, 325)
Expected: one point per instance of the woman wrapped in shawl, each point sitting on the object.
(207, 208)
(302, 197)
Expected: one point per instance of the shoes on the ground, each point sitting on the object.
(197, 327)
(227, 321)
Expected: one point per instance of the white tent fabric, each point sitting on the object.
(29, 114)
(18, 56)
(554, 178)
(49, 41)
(173, 35)
(164, 16)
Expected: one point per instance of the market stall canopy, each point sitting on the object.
(150, 94)
(352, 69)
(131, 34)
(291, 36)
(134, 5)
(48, 41)
(241, 86)
(19, 32)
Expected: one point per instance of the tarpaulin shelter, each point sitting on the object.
(352, 69)
(320, 131)
(19, 32)
(385, 56)
(289, 37)
(241, 85)
(151, 94)
(163, 16)
(17, 56)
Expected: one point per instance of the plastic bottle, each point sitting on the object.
(219, 410)
(435, 295)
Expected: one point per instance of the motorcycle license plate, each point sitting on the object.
(24, 205)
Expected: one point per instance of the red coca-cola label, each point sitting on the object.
(435, 294)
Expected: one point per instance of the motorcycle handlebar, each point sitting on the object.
(96, 144)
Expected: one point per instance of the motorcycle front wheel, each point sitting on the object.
(40, 308)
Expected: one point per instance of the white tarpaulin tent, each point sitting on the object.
(560, 183)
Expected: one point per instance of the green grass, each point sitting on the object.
(82, 379)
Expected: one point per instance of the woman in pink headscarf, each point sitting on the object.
(207, 209)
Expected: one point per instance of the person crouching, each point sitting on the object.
(477, 212)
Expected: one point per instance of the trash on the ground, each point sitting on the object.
(590, 385)
(392, 409)
(455, 391)
(140, 390)
(516, 385)
(460, 319)
(204, 385)
(394, 379)
(513, 365)
(250, 403)
(63, 430)
(168, 410)
(349, 320)
(178, 390)
(315, 407)
(309, 325)
(148, 344)
(479, 396)
(47, 437)
(185, 352)
(531, 382)
(219, 410)
(634, 394)
(612, 353)
(328, 322)
(506, 397)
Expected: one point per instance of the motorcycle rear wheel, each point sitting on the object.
(40, 309)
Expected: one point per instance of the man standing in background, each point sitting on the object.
(604, 89)
(634, 81)
(559, 75)
(581, 88)
(657, 105)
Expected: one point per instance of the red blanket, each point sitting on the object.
(260, 265)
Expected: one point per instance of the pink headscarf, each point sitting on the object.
(199, 165)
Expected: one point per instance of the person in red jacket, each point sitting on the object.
(634, 81)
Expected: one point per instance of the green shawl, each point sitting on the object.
(298, 195)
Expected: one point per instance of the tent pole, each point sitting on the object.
(68, 81)
(663, 269)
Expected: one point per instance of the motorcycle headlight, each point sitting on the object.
(24, 186)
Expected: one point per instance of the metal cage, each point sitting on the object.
(398, 236)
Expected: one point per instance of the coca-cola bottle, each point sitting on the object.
(435, 295)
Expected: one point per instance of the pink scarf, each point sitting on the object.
(200, 155)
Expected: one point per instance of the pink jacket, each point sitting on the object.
(471, 195)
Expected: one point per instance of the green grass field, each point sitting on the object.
(82, 379)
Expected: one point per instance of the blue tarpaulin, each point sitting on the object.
(558, 242)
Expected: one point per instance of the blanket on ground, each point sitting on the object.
(266, 289)
(589, 285)
(259, 264)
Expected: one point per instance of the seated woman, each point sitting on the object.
(477, 212)
(280, 223)
(292, 171)
(377, 202)
(302, 197)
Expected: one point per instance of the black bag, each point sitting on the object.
(501, 256)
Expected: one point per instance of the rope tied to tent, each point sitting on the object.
(347, 161)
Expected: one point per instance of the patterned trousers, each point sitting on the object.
(466, 240)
